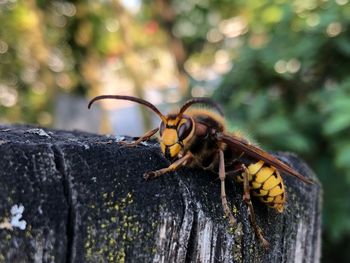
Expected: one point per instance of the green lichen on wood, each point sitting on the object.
(237, 233)
(108, 239)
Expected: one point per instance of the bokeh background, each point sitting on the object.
(280, 68)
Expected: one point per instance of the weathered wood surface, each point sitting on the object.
(85, 200)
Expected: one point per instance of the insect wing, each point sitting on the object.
(259, 154)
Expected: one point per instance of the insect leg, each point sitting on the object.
(144, 137)
(222, 177)
(174, 166)
(247, 200)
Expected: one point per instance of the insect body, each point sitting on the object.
(198, 138)
(266, 183)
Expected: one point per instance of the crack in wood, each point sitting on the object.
(67, 187)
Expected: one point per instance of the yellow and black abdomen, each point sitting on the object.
(267, 184)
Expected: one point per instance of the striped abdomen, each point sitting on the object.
(266, 183)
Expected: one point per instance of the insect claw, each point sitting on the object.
(265, 243)
(149, 176)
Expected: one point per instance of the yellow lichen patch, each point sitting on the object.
(28, 233)
(107, 239)
(237, 245)
(234, 210)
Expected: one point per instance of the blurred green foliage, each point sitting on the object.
(282, 68)
(290, 89)
(47, 47)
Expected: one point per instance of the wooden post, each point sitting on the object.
(79, 197)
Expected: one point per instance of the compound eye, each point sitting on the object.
(161, 128)
(184, 130)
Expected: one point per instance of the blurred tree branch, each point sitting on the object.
(167, 17)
